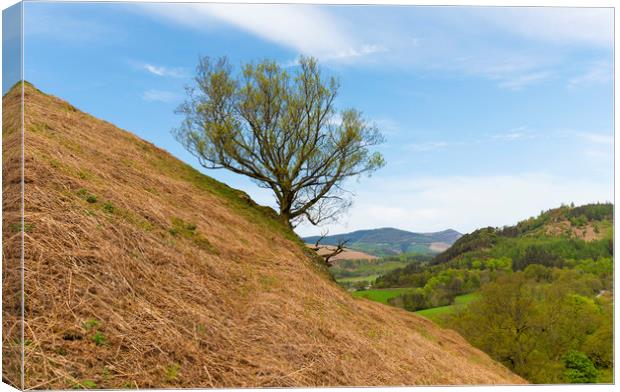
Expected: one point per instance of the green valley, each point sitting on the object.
(536, 296)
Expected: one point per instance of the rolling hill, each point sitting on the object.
(389, 241)
(142, 272)
(532, 283)
(553, 238)
(590, 222)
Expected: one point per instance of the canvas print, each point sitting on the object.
(229, 195)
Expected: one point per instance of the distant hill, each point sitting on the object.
(141, 272)
(590, 222)
(559, 233)
(390, 241)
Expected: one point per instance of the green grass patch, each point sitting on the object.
(172, 372)
(17, 227)
(353, 279)
(435, 313)
(85, 384)
(90, 324)
(180, 228)
(380, 295)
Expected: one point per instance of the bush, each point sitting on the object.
(579, 368)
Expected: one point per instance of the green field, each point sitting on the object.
(379, 295)
(434, 313)
(368, 278)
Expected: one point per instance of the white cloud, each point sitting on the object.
(464, 203)
(160, 96)
(426, 146)
(565, 26)
(599, 72)
(165, 71)
(518, 82)
(307, 29)
(515, 134)
(597, 138)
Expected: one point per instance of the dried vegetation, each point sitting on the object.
(141, 272)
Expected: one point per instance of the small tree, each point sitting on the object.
(282, 131)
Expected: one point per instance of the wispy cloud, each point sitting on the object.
(599, 72)
(44, 21)
(441, 41)
(165, 71)
(597, 138)
(160, 96)
(426, 146)
(563, 26)
(514, 134)
(518, 82)
(309, 30)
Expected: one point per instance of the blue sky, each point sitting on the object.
(490, 114)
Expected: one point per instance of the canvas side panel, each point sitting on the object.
(12, 200)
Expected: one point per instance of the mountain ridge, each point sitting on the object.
(390, 241)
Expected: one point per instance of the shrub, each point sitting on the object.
(108, 207)
(579, 368)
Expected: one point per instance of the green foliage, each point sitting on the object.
(108, 207)
(579, 368)
(172, 372)
(90, 324)
(479, 239)
(530, 324)
(278, 129)
(17, 227)
(85, 384)
(85, 195)
(537, 254)
(99, 338)
(180, 228)
(541, 294)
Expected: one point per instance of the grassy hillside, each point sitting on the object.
(142, 272)
(389, 241)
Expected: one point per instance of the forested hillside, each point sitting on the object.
(539, 294)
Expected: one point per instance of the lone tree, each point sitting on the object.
(281, 130)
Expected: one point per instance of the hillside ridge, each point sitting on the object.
(142, 272)
(386, 241)
(589, 222)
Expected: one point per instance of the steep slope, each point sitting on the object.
(142, 272)
(389, 241)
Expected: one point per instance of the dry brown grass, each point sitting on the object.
(562, 227)
(347, 254)
(181, 286)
